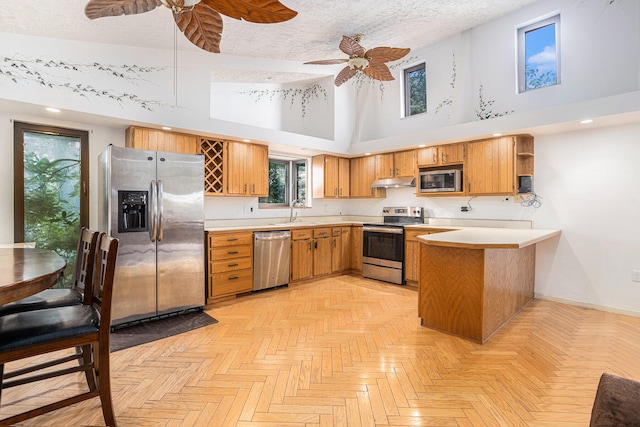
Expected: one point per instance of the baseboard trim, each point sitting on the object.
(588, 305)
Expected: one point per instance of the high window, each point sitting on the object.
(287, 183)
(539, 54)
(415, 90)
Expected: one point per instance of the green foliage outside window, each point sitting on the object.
(418, 90)
(52, 196)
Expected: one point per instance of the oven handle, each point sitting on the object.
(391, 230)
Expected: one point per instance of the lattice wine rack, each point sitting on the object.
(213, 151)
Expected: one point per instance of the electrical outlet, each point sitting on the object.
(635, 275)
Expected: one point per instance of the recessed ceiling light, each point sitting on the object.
(367, 154)
(246, 140)
(586, 121)
(166, 128)
(53, 110)
(497, 134)
(422, 145)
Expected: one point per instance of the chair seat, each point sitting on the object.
(30, 328)
(46, 299)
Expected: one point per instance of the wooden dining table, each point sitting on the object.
(27, 271)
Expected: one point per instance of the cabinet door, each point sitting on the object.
(258, 182)
(384, 166)
(344, 177)
(153, 139)
(330, 176)
(356, 247)
(451, 154)
(301, 259)
(363, 173)
(490, 166)
(412, 261)
(238, 154)
(427, 156)
(337, 259)
(322, 256)
(347, 257)
(404, 163)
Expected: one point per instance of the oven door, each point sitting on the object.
(383, 246)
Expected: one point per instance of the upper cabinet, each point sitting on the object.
(395, 165)
(363, 173)
(331, 177)
(235, 168)
(494, 166)
(158, 140)
(441, 155)
(247, 169)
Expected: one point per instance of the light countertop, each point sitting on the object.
(484, 238)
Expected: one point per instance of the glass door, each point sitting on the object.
(51, 189)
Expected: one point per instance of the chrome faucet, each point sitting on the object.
(292, 217)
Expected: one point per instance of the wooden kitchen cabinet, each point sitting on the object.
(441, 155)
(412, 254)
(331, 177)
(345, 252)
(230, 264)
(363, 173)
(213, 151)
(301, 254)
(395, 165)
(247, 168)
(337, 263)
(494, 165)
(322, 246)
(356, 248)
(158, 140)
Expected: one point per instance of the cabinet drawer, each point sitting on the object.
(230, 239)
(301, 234)
(230, 252)
(321, 232)
(230, 265)
(234, 282)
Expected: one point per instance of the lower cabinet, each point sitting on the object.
(230, 264)
(301, 254)
(412, 254)
(322, 245)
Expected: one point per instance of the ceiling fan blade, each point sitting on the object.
(386, 54)
(259, 11)
(101, 8)
(351, 47)
(344, 75)
(379, 71)
(202, 26)
(328, 61)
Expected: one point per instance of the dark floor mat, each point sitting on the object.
(153, 330)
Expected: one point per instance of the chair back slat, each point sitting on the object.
(83, 274)
(104, 271)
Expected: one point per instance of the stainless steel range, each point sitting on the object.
(383, 244)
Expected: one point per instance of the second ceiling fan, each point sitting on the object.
(371, 62)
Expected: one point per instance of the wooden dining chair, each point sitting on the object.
(49, 298)
(85, 326)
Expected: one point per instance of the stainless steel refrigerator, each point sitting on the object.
(153, 202)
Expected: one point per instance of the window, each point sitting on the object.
(51, 200)
(287, 183)
(539, 54)
(415, 90)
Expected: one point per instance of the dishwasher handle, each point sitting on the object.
(272, 235)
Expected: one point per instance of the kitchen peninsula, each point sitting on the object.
(474, 280)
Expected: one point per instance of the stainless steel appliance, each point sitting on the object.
(271, 250)
(383, 244)
(153, 202)
(440, 180)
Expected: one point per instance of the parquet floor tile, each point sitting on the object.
(346, 351)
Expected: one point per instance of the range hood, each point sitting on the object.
(408, 181)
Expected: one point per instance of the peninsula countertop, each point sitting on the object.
(483, 238)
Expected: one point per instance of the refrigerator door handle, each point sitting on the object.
(153, 211)
(160, 211)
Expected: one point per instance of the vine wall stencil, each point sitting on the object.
(485, 110)
(68, 76)
(305, 94)
(447, 102)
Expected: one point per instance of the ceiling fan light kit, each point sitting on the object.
(199, 20)
(371, 62)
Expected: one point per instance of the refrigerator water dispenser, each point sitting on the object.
(132, 211)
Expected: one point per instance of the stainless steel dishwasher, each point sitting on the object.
(271, 250)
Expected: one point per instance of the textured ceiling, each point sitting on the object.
(314, 34)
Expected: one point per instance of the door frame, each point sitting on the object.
(19, 128)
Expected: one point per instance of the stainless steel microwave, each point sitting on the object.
(435, 181)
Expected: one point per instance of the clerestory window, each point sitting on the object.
(539, 54)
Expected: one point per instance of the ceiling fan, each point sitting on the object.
(199, 20)
(370, 62)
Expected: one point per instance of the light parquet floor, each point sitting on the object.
(346, 351)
